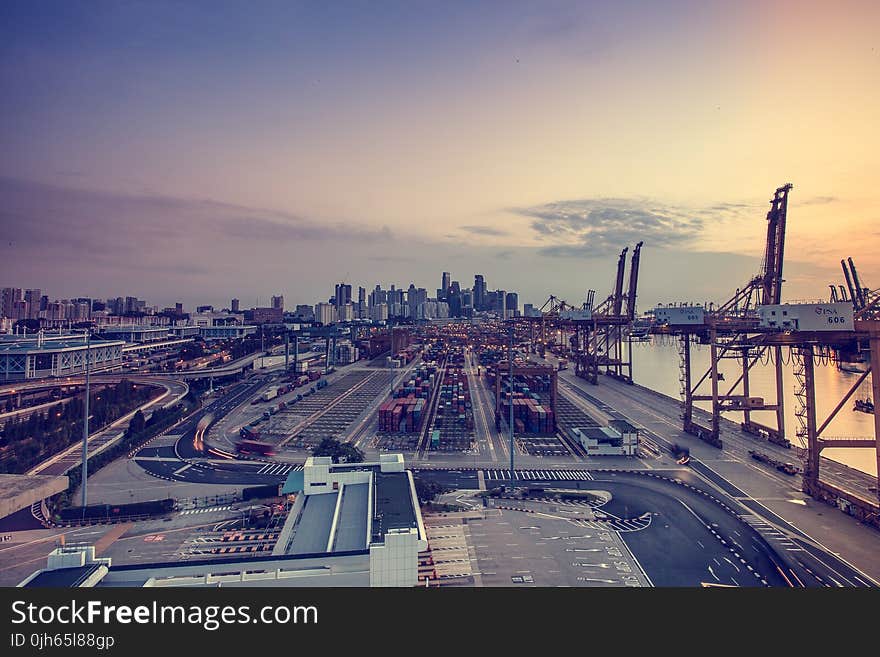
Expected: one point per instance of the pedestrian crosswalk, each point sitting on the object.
(207, 509)
(278, 469)
(777, 538)
(538, 475)
(616, 524)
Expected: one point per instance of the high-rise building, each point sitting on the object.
(343, 294)
(511, 303)
(278, 302)
(379, 312)
(377, 296)
(415, 297)
(304, 313)
(454, 299)
(235, 305)
(479, 292)
(445, 282)
(32, 298)
(8, 297)
(325, 313)
(362, 302)
(345, 313)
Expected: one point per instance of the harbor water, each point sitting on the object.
(656, 366)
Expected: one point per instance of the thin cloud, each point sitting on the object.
(819, 200)
(94, 222)
(485, 230)
(593, 227)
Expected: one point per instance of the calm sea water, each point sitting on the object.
(655, 365)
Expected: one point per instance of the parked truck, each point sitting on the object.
(270, 393)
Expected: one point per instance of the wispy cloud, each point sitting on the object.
(595, 227)
(819, 200)
(113, 226)
(490, 231)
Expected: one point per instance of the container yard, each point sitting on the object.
(402, 417)
(405, 411)
(453, 427)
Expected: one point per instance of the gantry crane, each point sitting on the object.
(729, 330)
(601, 338)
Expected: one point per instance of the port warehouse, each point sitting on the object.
(22, 359)
(352, 525)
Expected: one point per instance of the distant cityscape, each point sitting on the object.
(27, 310)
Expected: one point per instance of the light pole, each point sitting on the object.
(85, 445)
(510, 398)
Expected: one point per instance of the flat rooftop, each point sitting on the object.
(63, 577)
(351, 527)
(313, 525)
(392, 504)
(30, 346)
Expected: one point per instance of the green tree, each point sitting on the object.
(339, 452)
(137, 424)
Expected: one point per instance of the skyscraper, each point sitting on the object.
(325, 313)
(9, 296)
(32, 297)
(343, 294)
(454, 299)
(278, 302)
(362, 302)
(479, 292)
(235, 305)
(512, 303)
(445, 282)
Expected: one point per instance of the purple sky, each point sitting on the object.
(195, 151)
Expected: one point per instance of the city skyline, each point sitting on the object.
(205, 149)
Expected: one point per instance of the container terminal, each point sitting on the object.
(512, 417)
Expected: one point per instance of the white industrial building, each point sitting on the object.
(351, 525)
(619, 438)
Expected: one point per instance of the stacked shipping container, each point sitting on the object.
(405, 411)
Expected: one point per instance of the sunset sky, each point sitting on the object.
(195, 151)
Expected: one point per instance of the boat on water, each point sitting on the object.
(864, 406)
(851, 367)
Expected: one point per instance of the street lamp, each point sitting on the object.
(85, 445)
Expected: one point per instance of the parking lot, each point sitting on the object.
(549, 547)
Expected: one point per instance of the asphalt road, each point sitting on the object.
(183, 462)
(693, 538)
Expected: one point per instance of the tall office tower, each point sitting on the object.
(235, 305)
(467, 303)
(343, 294)
(415, 297)
(395, 296)
(278, 302)
(325, 313)
(379, 312)
(511, 303)
(453, 299)
(362, 302)
(345, 313)
(8, 297)
(378, 296)
(444, 285)
(499, 303)
(479, 292)
(32, 297)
